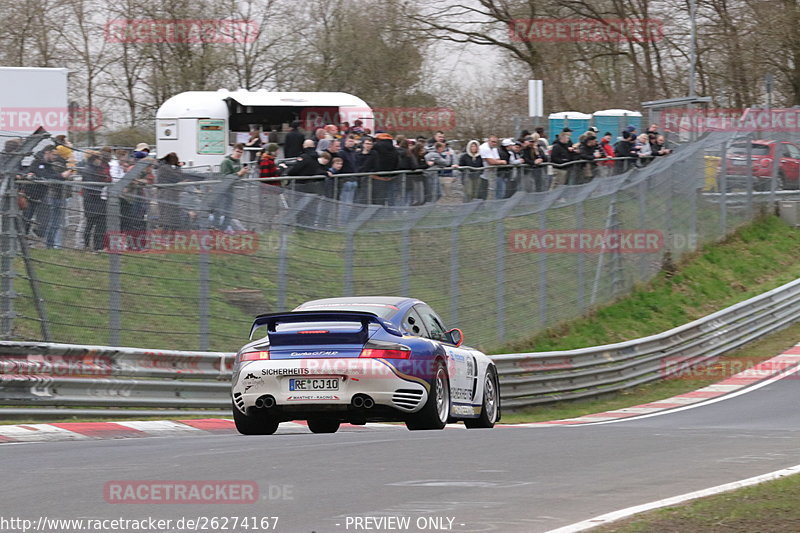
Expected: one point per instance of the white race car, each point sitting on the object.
(357, 360)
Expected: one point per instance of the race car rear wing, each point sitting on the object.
(312, 334)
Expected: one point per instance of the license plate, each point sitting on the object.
(323, 384)
(739, 162)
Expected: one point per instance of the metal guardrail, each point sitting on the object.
(35, 378)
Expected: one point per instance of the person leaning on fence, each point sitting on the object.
(624, 148)
(441, 160)
(231, 168)
(643, 150)
(535, 156)
(95, 170)
(490, 156)
(49, 166)
(134, 200)
(587, 151)
(271, 199)
(309, 165)
(169, 173)
(658, 146)
(469, 162)
(384, 187)
(562, 154)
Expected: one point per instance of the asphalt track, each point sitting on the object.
(507, 479)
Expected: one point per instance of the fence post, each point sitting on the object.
(773, 183)
(203, 274)
(543, 274)
(114, 226)
(642, 197)
(349, 247)
(722, 188)
(500, 287)
(749, 148)
(283, 252)
(581, 270)
(455, 233)
(8, 252)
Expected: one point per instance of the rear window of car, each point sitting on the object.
(382, 310)
(757, 149)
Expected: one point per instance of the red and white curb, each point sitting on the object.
(146, 428)
(759, 375)
(762, 373)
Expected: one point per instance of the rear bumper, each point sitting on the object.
(377, 378)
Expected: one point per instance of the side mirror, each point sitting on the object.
(456, 336)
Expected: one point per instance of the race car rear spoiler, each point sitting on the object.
(271, 321)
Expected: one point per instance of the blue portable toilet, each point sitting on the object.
(616, 120)
(577, 122)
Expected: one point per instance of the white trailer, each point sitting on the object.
(202, 126)
(31, 98)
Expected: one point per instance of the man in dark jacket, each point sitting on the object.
(293, 144)
(625, 148)
(386, 160)
(48, 166)
(586, 152)
(562, 153)
(309, 165)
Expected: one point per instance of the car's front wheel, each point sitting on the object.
(490, 410)
(259, 423)
(323, 425)
(436, 411)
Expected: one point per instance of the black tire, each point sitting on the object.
(490, 409)
(323, 425)
(259, 424)
(436, 411)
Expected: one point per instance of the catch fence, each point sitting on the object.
(187, 265)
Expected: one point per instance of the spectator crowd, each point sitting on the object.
(339, 161)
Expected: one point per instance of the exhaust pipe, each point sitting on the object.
(369, 403)
(358, 402)
(265, 402)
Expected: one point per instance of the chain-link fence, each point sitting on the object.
(185, 260)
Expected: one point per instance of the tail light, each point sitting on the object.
(385, 350)
(254, 356)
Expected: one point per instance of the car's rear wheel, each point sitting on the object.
(323, 425)
(490, 410)
(436, 411)
(259, 423)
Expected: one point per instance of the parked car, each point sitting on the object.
(763, 153)
(358, 360)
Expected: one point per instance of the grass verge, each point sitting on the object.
(770, 506)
